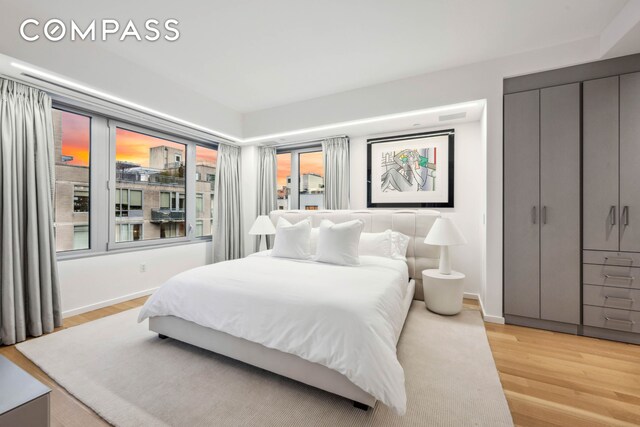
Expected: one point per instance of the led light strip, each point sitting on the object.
(51, 78)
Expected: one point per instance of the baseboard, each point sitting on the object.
(106, 303)
(486, 317)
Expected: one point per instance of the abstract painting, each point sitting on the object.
(411, 170)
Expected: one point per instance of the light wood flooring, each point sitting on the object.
(549, 379)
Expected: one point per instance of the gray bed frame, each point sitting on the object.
(414, 223)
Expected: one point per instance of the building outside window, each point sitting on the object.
(206, 159)
(150, 186)
(72, 144)
(128, 232)
(80, 198)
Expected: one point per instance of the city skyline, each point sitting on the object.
(313, 163)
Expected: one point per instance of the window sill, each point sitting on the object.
(68, 256)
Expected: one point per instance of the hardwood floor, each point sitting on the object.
(549, 379)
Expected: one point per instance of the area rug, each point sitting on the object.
(130, 377)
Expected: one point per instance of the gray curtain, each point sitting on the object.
(267, 187)
(336, 172)
(228, 236)
(29, 289)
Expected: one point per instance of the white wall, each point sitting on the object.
(472, 82)
(93, 282)
(468, 188)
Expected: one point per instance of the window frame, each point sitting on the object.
(102, 182)
(295, 169)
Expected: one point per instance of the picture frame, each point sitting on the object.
(411, 170)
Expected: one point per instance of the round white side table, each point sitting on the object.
(443, 293)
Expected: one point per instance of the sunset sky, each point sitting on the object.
(76, 134)
(130, 146)
(309, 163)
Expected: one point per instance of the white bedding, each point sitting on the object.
(347, 318)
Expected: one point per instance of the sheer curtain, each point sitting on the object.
(267, 186)
(29, 289)
(336, 172)
(227, 237)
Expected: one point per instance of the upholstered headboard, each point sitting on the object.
(414, 223)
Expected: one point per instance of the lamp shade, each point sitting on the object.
(262, 226)
(444, 233)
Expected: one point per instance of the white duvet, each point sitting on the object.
(347, 318)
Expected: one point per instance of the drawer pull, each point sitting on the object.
(617, 258)
(608, 297)
(612, 276)
(613, 319)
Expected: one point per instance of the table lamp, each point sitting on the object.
(261, 227)
(444, 233)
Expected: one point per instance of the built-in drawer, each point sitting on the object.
(624, 259)
(606, 296)
(611, 318)
(610, 275)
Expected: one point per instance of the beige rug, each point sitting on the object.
(132, 378)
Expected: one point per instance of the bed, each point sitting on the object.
(331, 327)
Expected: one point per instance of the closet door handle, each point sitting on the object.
(613, 319)
(625, 215)
(612, 214)
(544, 214)
(534, 214)
(608, 297)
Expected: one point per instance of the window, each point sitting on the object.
(159, 185)
(311, 180)
(199, 205)
(128, 203)
(153, 167)
(206, 159)
(307, 169)
(128, 232)
(80, 237)
(80, 198)
(72, 142)
(284, 180)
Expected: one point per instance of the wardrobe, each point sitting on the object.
(572, 200)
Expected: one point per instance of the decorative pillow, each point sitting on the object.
(376, 244)
(338, 243)
(399, 245)
(292, 241)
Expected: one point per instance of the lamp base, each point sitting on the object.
(445, 262)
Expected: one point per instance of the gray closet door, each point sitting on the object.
(521, 197)
(630, 162)
(560, 203)
(600, 164)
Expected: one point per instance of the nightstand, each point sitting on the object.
(443, 293)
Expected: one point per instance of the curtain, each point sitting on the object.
(29, 288)
(336, 172)
(227, 238)
(267, 187)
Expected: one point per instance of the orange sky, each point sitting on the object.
(309, 163)
(76, 134)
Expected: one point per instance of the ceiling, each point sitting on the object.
(250, 55)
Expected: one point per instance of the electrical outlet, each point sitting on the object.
(143, 268)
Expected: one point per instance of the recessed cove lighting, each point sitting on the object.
(51, 78)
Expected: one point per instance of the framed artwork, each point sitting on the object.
(411, 171)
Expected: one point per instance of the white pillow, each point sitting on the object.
(399, 245)
(292, 241)
(376, 244)
(338, 243)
